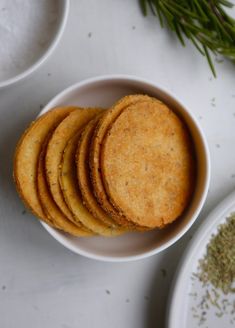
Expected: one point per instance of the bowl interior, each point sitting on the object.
(103, 93)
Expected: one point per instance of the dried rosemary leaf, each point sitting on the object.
(218, 265)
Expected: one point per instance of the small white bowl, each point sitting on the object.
(63, 10)
(103, 92)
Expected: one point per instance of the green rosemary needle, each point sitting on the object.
(205, 23)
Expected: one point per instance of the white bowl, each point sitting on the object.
(63, 9)
(102, 92)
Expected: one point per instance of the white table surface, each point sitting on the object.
(41, 283)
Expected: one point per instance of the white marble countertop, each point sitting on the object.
(41, 283)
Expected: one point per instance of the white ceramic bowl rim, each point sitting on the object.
(145, 254)
(53, 43)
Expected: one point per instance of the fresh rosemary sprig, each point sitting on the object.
(204, 22)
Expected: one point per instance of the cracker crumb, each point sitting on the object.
(164, 272)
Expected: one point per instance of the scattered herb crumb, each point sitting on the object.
(107, 292)
(41, 106)
(218, 265)
(164, 272)
(133, 27)
(3, 287)
(216, 272)
(48, 74)
(89, 35)
(219, 60)
(217, 145)
(23, 212)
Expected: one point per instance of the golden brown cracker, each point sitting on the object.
(72, 195)
(65, 130)
(83, 176)
(147, 164)
(95, 149)
(27, 155)
(49, 206)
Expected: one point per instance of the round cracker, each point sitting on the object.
(83, 176)
(27, 155)
(147, 164)
(71, 192)
(95, 149)
(49, 206)
(65, 130)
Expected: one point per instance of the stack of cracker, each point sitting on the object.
(91, 171)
